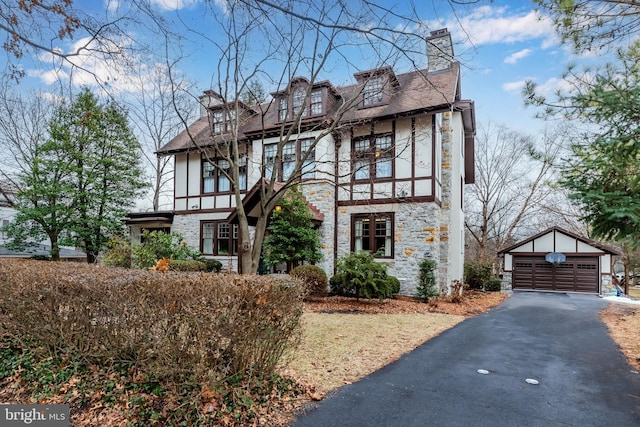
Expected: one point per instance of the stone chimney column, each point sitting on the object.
(439, 50)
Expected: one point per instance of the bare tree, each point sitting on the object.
(36, 27)
(275, 43)
(512, 182)
(24, 121)
(154, 110)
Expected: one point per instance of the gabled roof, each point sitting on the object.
(418, 91)
(197, 135)
(582, 239)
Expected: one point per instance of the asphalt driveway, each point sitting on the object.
(555, 339)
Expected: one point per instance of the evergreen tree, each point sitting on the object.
(292, 237)
(84, 179)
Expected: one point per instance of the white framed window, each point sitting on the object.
(373, 233)
(292, 152)
(373, 90)
(372, 157)
(298, 101)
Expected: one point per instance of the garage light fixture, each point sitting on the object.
(555, 257)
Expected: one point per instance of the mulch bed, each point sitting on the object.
(473, 302)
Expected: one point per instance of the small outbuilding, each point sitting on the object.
(558, 260)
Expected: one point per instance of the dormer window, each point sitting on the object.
(298, 101)
(316, 102)
(373, 90)
(223, 121)
(283, 109)
(378, 86)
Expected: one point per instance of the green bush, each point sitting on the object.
(493, 285)
(187, 265)
(359, 275)
(314, 278)
(477, 273)
(158, 245)
(395, 284)
(118, 253)
(427, 287)
(213, 265)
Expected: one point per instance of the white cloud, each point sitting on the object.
(515, 57)
(89, 67)
(174, 4)
(497, 25)
(514, 86)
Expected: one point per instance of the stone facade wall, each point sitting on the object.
(444, 256)
(507, 281)
(321, 194)
(416, 237)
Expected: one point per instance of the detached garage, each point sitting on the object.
(558, 260)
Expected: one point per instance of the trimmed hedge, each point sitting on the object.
(314, 277)
(168, 325)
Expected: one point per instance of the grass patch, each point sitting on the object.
(339, 349)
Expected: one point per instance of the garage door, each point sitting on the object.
(576, 274)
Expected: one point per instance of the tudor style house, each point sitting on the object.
(389, 179)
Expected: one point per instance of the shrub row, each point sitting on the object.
(479, 275)
(171, 325)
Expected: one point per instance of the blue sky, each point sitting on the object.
(499, 43)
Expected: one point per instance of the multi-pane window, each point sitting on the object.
(218, 121)
(384, 156)
(308, 154)
(373, 157)
(292, 152)
(373, 90)
(223, 120)
(219, 238)
(373, 233)
(224, 171)
(316, 102)
(283, 109)
(208, 177)
(298, 101)
(217, 173)
(312, 106)
(288, 159)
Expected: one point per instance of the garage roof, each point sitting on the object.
(604, 248)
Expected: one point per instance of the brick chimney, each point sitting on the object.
(439, 50)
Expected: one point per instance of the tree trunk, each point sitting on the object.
(55, 248)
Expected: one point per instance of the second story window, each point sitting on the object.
(373, 91)
(292, 153)
(372, 157)
(216, 175)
